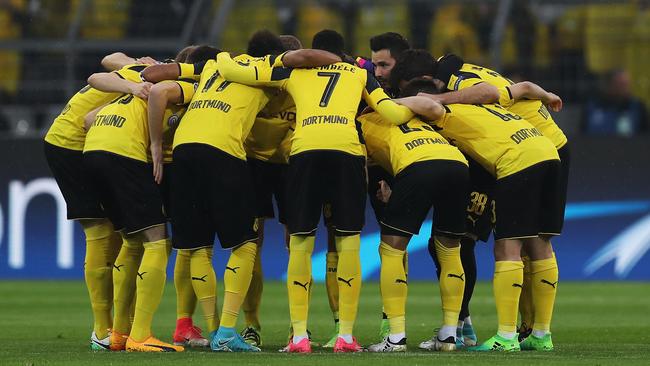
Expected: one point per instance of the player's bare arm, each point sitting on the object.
(117, 60)
(530, 90)
(481, 93)
(161, 94)
(90, 117)
(309, 58)
(113, 83)
(423, 106)
(156, 73)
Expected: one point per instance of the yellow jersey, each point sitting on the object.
(326, 98)
(221, 113)
(122, 128)
(396, 147)
(502, 142)
(67, 130)
(532, 111)
(270, 137)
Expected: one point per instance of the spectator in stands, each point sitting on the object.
(615, 111)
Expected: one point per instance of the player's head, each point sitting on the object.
(202, 53)
(329, 40)
(181, 56)
(419, 85)
(264, 43)
(385, 49)
(447, 65)
(412, 63)
(290, 42)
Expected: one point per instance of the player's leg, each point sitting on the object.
(347, 194)
(465, 331)
(526, 300)
(237, 231)
(125, 272)
(102, 243)
(331, 284)
(253, 299)
(544, 268)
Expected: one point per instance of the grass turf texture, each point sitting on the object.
(49, 323)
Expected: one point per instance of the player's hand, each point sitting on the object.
(141, 90)
(157, 158)
(146, 60)
(553, 102)
(384, 191)
(435, 97)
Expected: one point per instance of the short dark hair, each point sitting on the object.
(411, 64)
(447, 65)
(290, 42)
(202, 53)
(419, 85)
(181, 56)
(394, 42)
(264, 43)
(329, 40)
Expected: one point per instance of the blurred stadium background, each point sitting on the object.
(592, 53)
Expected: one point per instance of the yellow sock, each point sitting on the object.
(204, 283)
(150, 286)
(508, 277)
(253, 300)
(236, 279)
(125, 272)
(394, 288)
(348, 275)
(98, 273)
(545, 279)
(185, 296)
(299, 281)
(331, 285)
(452, 282)
(526, 299)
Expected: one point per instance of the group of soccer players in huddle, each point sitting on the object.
(206, 141)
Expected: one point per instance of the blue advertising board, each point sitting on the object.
(606, 235)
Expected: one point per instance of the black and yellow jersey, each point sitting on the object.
(67, 130)
(501, 141)
(270, 138)
(326, 98)
(221, 112)
(532, 111)
(396, 147)
(121, 127)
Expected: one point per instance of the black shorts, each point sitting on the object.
(126, 189)
(565, 163)
(481, 208)
(375, 175)
(318, 177)
(269, 181)
(75, 185)
(211, 193)
(529, 202)
(441, 184)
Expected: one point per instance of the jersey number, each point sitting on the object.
(329, 88)
(503, 116)
(404, 127)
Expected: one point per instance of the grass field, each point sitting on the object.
(49, 323)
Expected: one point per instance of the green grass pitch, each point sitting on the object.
(49, 323)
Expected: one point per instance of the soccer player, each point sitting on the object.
(428, 172)
(186, 333)
(211, 173)
(386, 48)
(64, 143)
(116, 156)
(267, 153)
(526, 167)
(468, 84)
(326, 165)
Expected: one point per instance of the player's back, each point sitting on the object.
(267, 138)
(533, 111)
(326, 100)
(502, 142)
(396, 147)
(67, 130)
(221, 113)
